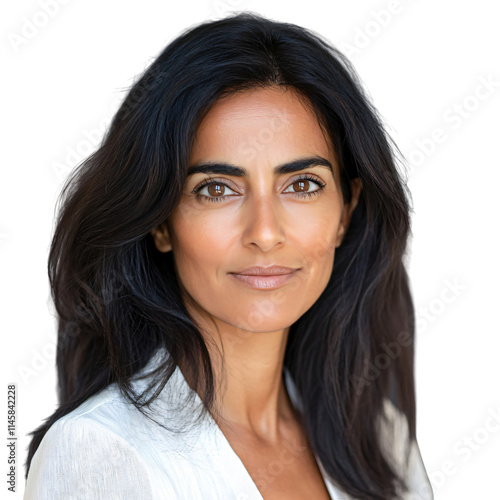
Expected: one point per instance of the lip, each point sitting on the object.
(265, 278)
(266, 271)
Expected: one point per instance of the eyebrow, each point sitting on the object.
(285, 168)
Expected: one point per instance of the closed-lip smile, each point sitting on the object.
(265, 278)
(266, 271)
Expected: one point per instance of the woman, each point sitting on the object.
(235, 318)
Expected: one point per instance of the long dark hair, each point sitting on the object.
(118, 299)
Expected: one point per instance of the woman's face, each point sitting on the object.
(252, 215)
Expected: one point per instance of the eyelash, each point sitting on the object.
(219, 199)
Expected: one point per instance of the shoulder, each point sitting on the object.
(83, 455)
(107, 448)
(403, 453)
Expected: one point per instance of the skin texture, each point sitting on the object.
(261, 220)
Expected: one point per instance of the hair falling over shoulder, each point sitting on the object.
(118, 299)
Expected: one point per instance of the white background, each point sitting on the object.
(424, 65)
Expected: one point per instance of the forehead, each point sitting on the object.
(260, 124)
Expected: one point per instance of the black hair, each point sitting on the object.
(118, 299)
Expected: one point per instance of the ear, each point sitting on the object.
(161, 238)
(348, 210)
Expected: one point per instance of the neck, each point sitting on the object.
(250, 390)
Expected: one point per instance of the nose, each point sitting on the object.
(264, 224)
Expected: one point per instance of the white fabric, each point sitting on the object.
(106, 449)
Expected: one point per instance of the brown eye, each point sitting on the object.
(302, 187)
(302, 184)
(216, 189)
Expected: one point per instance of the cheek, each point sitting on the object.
(316, 242)
(315, 236)
(198, 245)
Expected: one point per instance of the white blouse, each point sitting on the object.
(106, 449)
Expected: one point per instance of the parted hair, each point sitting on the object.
(118, 299)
